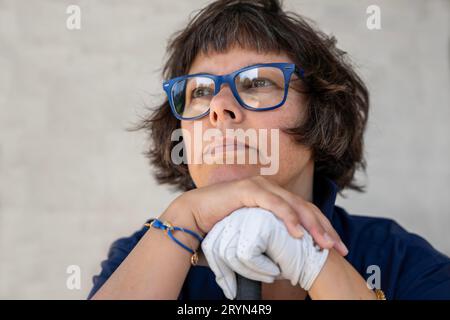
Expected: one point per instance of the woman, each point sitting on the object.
(249, 65)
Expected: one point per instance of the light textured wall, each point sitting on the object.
(72, 180)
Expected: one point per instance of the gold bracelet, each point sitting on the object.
(194, 259)
(380, 294)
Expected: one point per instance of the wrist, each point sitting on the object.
(339, 280)
(180, 217)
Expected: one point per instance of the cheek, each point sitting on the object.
(289, 115)
(188, 129)
(292, 152)
(293, 156)
(189, 137)
(293, 111)
(193, 146)
(294, 159)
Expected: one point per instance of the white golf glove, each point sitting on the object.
(256, 244)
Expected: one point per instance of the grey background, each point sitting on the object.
(72, 180)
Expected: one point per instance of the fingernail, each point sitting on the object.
(343, 248)
(299, 231)
(327, 238)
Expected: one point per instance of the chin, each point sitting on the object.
(223, 173)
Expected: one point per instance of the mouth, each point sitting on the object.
(226, 145)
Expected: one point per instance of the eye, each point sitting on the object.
(257, 83)
(201, 92)
(260, 82)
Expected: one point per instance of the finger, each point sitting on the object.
(260, 265)
(268, 200)
(228, 293)
(253, 243)
(229, 255)
(225, 277)
(320, 236)
(338, 243)
(228, 244)
(307, 216)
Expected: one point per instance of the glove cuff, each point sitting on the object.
(314, 264)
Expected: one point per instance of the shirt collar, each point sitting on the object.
(324, 194)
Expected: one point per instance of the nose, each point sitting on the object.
(225, 108)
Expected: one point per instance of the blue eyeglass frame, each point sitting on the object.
(287, 68)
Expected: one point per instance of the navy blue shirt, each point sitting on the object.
(410, 268)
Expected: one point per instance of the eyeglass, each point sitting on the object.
(258, 87)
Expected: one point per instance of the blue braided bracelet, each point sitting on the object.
(167, 226)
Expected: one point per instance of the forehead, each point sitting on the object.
(233, 59)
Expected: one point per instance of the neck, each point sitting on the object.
(302, 184)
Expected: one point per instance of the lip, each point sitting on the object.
(226, 145)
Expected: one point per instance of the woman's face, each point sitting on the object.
(294, 160)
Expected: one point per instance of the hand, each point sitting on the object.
(208, 205)
(238, 243)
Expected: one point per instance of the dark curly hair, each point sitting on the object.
(337, 99)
